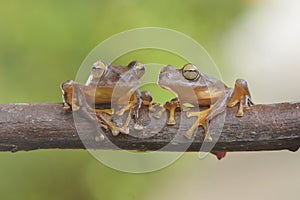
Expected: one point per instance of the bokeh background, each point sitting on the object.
(43, 43)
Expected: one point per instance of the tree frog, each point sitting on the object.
(109, 84)
(209, 92)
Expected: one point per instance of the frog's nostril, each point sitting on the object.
(166, 68)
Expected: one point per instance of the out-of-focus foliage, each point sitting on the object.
(42, 43)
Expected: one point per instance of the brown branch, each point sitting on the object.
(47, 125)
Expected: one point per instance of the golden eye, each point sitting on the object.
(137, 67)
(99, 68)
(190, 71)
(140, 69)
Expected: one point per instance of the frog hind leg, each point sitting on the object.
(241, 95)
(101, 115)
(75, 100)
(115, 130)
(133, 107)
(92, 113)
(205, 116)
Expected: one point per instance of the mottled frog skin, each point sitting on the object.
(208, 91)
(109, 84)
(118, 85)
(195, 87)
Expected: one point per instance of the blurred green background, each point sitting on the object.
(43, 43)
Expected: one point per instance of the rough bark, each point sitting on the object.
(47, 125)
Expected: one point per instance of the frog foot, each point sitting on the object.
(125, 128)
(171, 107)
(153, 106)
(115, 130)
(66, 106)
(241, 95)
(201, 121)
(107, 111)
(159, 113)
(132, 106)
(100, 113)
(75, 107)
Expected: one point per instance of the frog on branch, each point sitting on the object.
(207, 91)
(113, 85)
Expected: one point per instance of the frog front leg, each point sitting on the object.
(242, 96)
(136, 101)
(171, 107)
(205, 116)
(132, 101)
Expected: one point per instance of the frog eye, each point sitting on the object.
(190, 71)
(99, 68)
(138, 67)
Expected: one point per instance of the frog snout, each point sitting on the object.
(168, 68)
(167, 72)
(163, 76)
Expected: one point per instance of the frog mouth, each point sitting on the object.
(164, 83)
(165, 87)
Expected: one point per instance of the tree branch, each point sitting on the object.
(47, 125)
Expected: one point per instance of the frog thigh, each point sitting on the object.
(242, 96)
(220, 105)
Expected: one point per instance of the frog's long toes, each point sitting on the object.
(120, 112)
(232, 103)
(104, 126)
(188, 114)
(99, 138)
(124, 130)
(157, 115)
(152, 108)
(171, 122)
(75, 107)
(246, 108)
(248, 102)
(191, 114)
(66, 107)
(138, 127)
(239, 113)
(208, 138)
(189, 134)
(115, 132)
